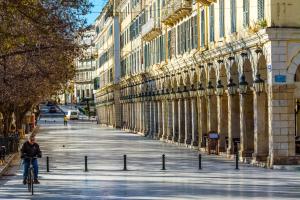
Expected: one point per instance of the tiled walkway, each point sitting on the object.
(67, 146)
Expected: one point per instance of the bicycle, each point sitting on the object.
(30, 176)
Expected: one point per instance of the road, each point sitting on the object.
(105, 179)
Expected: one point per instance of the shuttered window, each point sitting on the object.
(212, 23)
(169, 44)
(202, 28)
(261, 9)
(246, 13)
(221, 18)
(194, 32)
(233, 15)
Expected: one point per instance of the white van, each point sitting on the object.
(73, 114)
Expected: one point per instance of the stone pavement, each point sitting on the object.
(67, 146)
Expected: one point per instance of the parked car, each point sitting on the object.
(50, 103)
(52, 109)
(73, 114)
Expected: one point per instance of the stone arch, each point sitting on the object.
(234, 72)
(194, 78)
(203, 77)
(212, 73)
(293, 66)
(262, 67)
(223, 74)
(247, 69)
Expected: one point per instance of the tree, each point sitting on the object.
(36, 52)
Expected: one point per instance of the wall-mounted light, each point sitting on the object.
(219, 88)
(232, 88)
(243, 85)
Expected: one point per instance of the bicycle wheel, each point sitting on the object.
(32, 175)
(29, 180)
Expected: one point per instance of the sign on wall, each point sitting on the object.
(280, 78)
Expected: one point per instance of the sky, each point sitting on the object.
(95, 11)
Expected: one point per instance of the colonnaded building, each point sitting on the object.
(179, 70)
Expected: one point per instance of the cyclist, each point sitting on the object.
(30, 149)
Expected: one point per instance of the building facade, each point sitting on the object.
(85, 67)
(107, 42)
(192, 69)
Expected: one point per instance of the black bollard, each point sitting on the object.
(45, 121)
(125, 163)
(163, 162)
(237, 160)
(85, 164)
(47, 161)
(200, 162)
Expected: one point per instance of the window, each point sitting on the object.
(195, 32)
(212, 23)
(169, 44)
(202, 25)
(246, 13)
(221, 18)
(261, 9)
(233, 15)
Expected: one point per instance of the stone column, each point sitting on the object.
(151, 117)
(194, 122)
(222, 121)
(233, 121)
(155, 118)
(170, 119)
(188, 121)
(246, 125)
(164, 119)
(261, 131)
(175, 119)
(142, 127)
(146, 116)
(159, 119)
(181, 119)
(202, 116)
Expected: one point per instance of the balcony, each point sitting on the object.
(206, 2)
(151, 30)
(175, 10)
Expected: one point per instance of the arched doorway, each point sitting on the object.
(297, 110)
(261, 116)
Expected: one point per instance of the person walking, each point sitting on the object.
(65, 120)
(30, 149)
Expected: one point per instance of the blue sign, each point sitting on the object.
(280, 78)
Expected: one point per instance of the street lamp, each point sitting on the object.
(219, 88)
(243, 85)
(201, 90)
(210, 89)
(258, 84)
(232, 88)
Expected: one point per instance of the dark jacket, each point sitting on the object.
(30, 150)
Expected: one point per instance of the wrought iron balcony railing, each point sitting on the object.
(151, 30)
(175, 10)
(206, 2)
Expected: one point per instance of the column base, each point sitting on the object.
(188, 141)
(194, 143)
(246, 154)
(259, 157)
(181, 140)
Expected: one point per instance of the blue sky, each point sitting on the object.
(95, 11)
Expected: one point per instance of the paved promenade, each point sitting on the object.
(67, 146)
